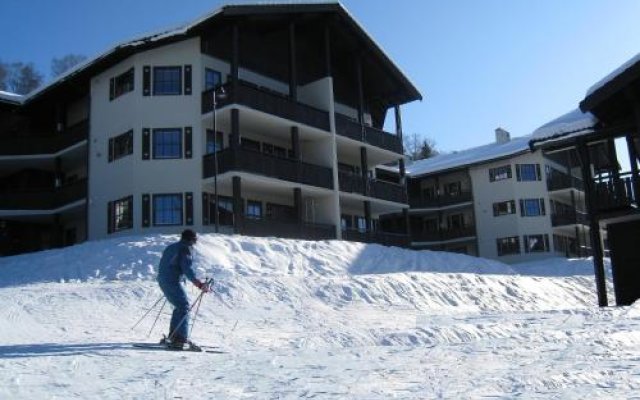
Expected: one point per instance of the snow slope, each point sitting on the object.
(312, 320)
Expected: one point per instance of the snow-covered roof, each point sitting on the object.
(475, 155)
(618, 71)
(571, 124)
(184, 29)
(11, 97)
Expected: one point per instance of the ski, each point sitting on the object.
(198, 349)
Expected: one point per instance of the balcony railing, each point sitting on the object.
(352, 129)
(379, 189)
(570, 218)
(559, 181)
(38, 144)
(268, 101)
(268, 165)
(444, 234)
(46, 199)
(387, 191)
(616, 193)
(443, 200)
(383, 238)
(287, 229)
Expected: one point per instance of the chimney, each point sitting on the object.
(502, 136)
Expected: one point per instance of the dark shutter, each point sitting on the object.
(112, 88)
(187, 79)
(188, 142)
(146, 143)
(110, 217)
(542, 207)
(188, 201)
(538, 172)
(546, 242)
(205, 208)
(518, 172)
(111, 149)
(521, 207)
(146, 210)
(495, 209)
(526, 243)
(146, 80)
(130, 142)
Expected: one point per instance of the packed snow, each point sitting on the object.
(302, 319)
(613, 75)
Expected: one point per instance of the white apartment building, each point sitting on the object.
(498, 201)
(133, 141)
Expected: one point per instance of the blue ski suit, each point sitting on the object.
(175, 263)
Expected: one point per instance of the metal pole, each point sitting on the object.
(148, 311)
(215, 167)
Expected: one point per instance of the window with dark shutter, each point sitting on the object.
(146, 210)
(121, 84)
(205, 208)
(188, 208)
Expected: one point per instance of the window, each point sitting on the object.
(361, 224)
(532, 207)
(167, 81)
(214, 144)
(120, 146)
(123, 214)
(500, 173)
(250, 144)
(455, 221)
(528, 172)
(508, 245)
(504, 208)
(346, 222)
(254, 209)
(167, 143)
(212, 78)
(167, 209)
(121, 84)
(536, 243)
(429, 192)
(453, 189)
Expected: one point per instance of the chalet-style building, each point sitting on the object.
(499, 201)
(607, 153)
(255, 119)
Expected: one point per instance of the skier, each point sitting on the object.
(175, 263)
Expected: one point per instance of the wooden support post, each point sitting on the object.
(238, 209)
(235, 58)
(293, 78)
(364, 170)
(327, 50)
(295, 143)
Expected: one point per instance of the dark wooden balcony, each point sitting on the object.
(560, 181)
(615, 194)
(352, 129)
(387, 191)
(444, 234)
(31, 144)
(44, 199)
(443, 200)
(383, 238)
(353, 183)
(268, 101)
(286, 229)
(569, 218)
(268, 165)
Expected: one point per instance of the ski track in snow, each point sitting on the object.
(323, 320)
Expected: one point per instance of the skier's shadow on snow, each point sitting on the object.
(57, 349)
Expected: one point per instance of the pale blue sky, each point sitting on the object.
(479, 64)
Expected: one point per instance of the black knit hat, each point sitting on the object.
(188, 235)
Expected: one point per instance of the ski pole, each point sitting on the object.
(148, 311)
(157, 316)
(185, 316)
(208, 283)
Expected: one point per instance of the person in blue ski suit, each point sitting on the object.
(176, 263)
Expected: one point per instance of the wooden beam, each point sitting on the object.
(293, 73)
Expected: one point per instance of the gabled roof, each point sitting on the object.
(142, 43)
(614, 83)
(469, 157)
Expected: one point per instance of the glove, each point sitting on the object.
(202, 286)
